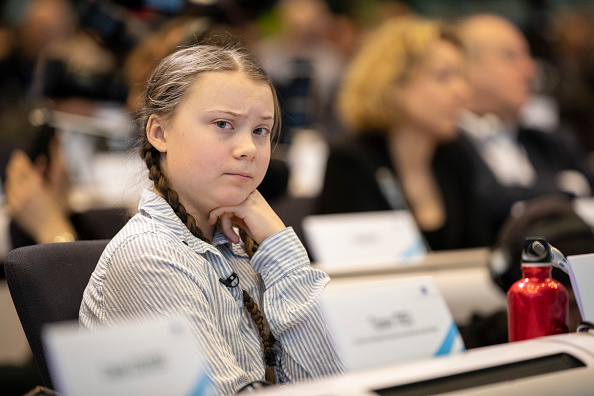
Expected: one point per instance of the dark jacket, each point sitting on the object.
(351, 185)
(548, 153)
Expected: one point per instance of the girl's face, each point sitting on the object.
(217, 146)
(432, 98)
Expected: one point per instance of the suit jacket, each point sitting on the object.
(548, 153)
(351, 185)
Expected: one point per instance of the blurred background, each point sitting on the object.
(72, 74)
(87, 59)
(83, 63)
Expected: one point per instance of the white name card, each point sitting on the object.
(380, 323)
(159, 357)
(367, 238)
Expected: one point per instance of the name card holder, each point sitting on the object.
(157, 357)
(385, 322)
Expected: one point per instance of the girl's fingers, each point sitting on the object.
(227, 228)
(253, 215)
(218, 212)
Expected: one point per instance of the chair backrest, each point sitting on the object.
(46, 283)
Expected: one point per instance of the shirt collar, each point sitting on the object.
(155, 206)
(485, 127)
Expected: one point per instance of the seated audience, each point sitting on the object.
(525, 178)
(37, 185)
(510, 163)
(401, 97)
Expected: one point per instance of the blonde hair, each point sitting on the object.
(390, 55)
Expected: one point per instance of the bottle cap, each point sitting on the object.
(536, 250)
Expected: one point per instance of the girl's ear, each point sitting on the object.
(155, 133)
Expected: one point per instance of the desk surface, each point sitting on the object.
(432, 261)
(461, 374)
(462, 277)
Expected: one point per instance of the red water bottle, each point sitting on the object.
(537, 304)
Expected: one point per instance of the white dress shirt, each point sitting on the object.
(498, 146)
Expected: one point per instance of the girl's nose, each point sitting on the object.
(245, 146)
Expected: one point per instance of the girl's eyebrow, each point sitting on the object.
(238, 115)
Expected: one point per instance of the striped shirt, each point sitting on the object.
(154, 266)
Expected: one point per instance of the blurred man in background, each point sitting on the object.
(512, 163)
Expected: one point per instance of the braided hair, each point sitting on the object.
(165, 90)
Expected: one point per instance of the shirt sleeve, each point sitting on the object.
(151, 278)
(291, 303)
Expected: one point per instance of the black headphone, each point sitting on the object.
(552, 218)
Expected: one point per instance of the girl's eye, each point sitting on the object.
(223, 124)
(261, 131)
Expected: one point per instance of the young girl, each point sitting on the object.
(210, 116)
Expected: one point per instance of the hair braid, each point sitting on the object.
(151, 157)
(267, 338)
(250, 246)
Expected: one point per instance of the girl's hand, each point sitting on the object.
(253, 215)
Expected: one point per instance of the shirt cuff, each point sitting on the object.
(278, 255)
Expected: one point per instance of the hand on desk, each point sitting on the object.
(36, 195)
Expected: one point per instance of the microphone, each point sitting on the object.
(231, 281)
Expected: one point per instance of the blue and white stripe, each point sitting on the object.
(154, 266)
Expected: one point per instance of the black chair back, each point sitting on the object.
(46, 283)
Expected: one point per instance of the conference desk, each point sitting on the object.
(462, 276)
(554, 365)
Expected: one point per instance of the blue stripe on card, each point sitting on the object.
(448, 342)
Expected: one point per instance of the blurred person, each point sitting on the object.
(43, 23)
(509, 162)
(169, 37)
(38, 199)
(306, 66)
(38, 173)
(574, 62)
(401, 96)
(35, 172)
(37, 195)
(23, 43)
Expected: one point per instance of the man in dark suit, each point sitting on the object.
(510, 163)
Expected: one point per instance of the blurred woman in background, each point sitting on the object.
(401, 98)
